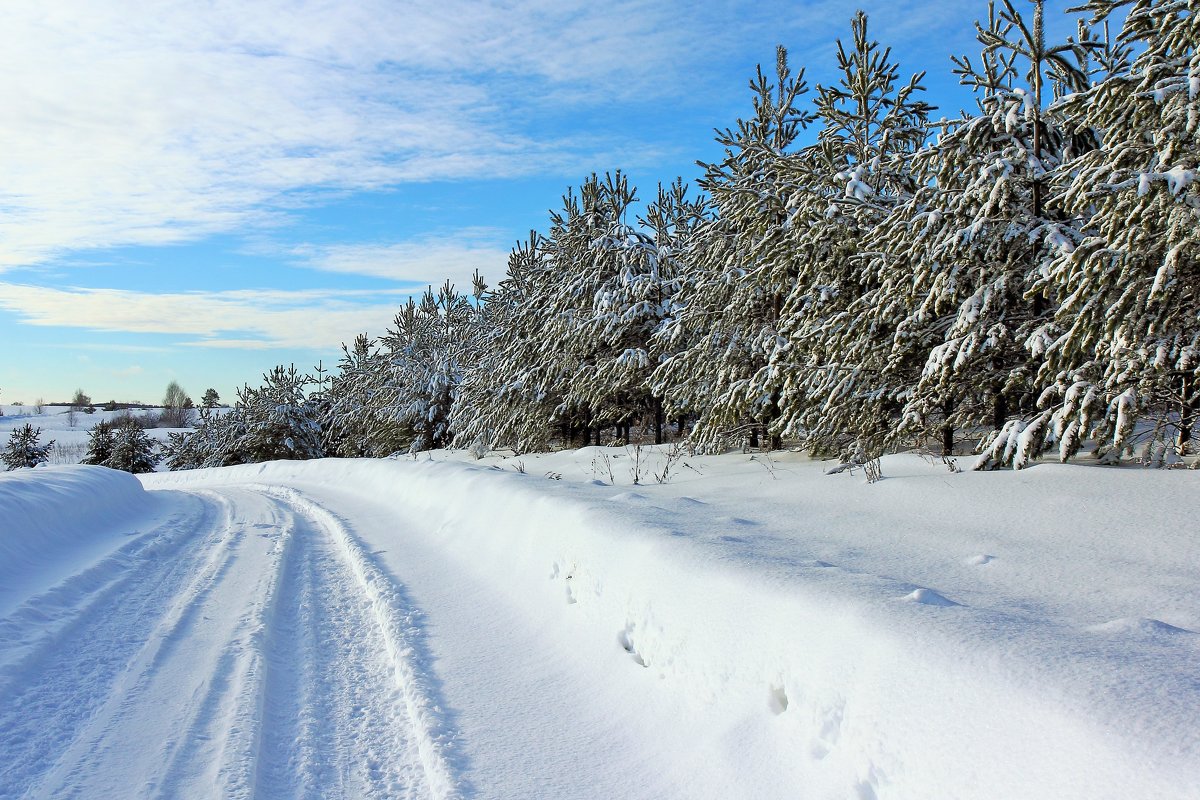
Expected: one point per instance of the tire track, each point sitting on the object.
(219, 746)
(355, 719)
(95, 623)
(34, 628)
(139, 657)
(246, 647)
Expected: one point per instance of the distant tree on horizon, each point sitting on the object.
(177, 407)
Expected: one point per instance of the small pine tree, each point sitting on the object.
(725, 316)
(1124, 343)
(132, 450)
(210, 399)
(24, 450)
(101, 441)
(278, 420)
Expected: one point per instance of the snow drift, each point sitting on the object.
(54, 517)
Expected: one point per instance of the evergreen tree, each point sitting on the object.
(615, 301)
(510, 394)
(399, 392)
(356, 422)
(132, 450)
(676, 222)
(277, 420)
(1124, 343)
(24, 448)
(986, 230)
(827, 369)
(725, 319)
(101, 440)
(213, 443)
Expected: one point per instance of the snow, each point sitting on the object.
(445, 627)
(55, 511)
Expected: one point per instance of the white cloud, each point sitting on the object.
(181, 119)
(172, 120)
(428, 260)
(244, 319)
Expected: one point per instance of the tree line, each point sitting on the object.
(853, 275)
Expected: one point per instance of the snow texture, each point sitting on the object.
(430, 628)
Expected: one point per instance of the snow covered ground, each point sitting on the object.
(524, 628)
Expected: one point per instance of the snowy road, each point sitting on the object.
(392, 629)
(246, 647)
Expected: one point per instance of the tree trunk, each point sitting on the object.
(658, 421)
(1189, 411)
(947, 429)
(999, 408)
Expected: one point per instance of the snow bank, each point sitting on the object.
(53, 516)
(942, 635)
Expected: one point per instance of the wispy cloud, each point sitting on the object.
(423, 261)
(245, 319)
(189, 118)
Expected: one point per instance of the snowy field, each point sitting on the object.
(524, 628)
(70, 440)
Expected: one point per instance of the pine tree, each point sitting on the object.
(355, 420)
(426, 351)
(565, 345)
(725, 319)
(132, 449)
(24, 448)
(1124, 343)
(101, 440)
(986, 233)
(510, 394)
(278, 420)
(675, 222)
(616, 302)
(827, 369)
(213, 443)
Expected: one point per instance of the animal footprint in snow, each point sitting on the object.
(777, 699)
(979, 560)
(625, 639)
(829, 719)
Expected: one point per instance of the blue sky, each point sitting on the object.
(200, 190)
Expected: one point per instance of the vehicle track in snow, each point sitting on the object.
(353, 721)
(246, 648)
